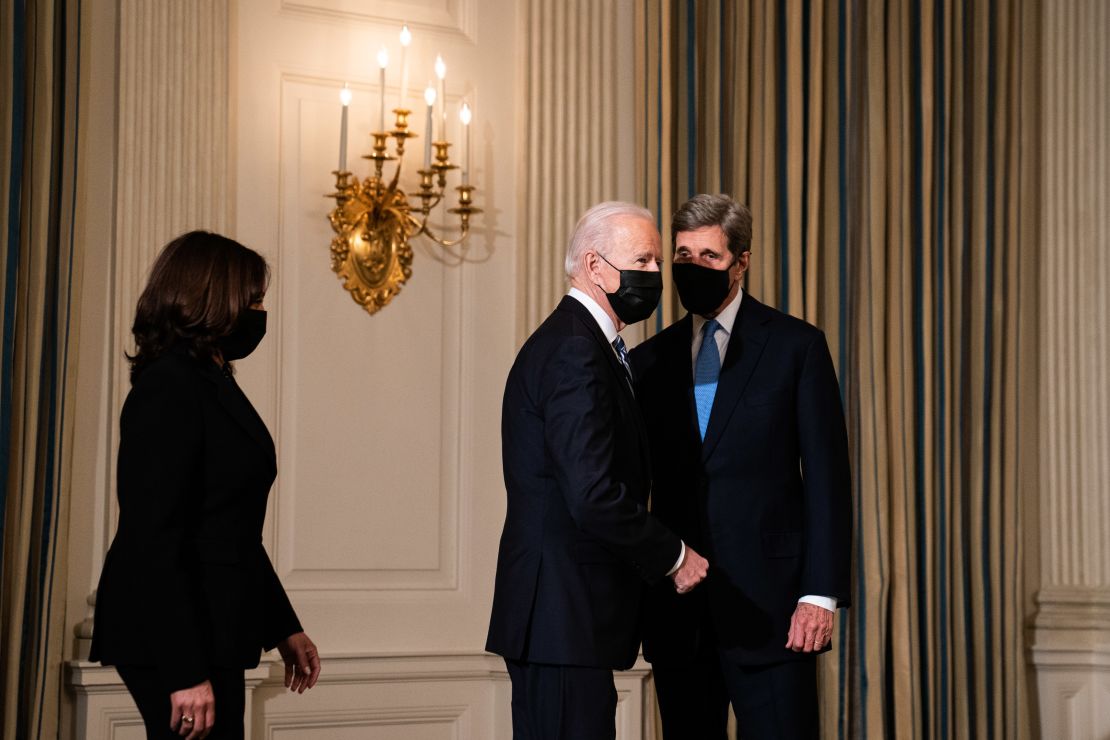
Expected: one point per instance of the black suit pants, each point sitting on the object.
(145, 685)
(771, 702)
(560, 702)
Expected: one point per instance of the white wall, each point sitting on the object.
(384, 521)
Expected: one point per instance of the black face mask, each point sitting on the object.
(638, 294)
(245, 336)
(701, 289)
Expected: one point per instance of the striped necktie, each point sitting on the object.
(622, 353)
(707, 369)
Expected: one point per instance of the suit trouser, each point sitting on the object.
(776, 702)
(561, 702)
(153, 700)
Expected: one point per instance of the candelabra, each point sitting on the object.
(374, 220)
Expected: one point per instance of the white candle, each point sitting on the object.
(406, 39)
(383, 62)
(345, 99)
(430, 99)
(441, 73)
(464, 117)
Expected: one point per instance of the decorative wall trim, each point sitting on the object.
(280, 724)
(1071, 631)
(469, 692)
(1075, 346)
(457, 17)
(438, 569)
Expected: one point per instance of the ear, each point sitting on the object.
(591, 265)
(742, 261)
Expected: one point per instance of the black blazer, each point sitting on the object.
(186, 585)
(766, 498)
(578, 541)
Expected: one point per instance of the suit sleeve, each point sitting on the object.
(159, 466)
(580, 438)
(280, 619)
(826, 477)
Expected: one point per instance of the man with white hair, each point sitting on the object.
(578, 540)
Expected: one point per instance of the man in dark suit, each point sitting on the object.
(750, 462)
(578, 540)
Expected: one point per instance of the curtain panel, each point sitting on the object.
(38, 69)
(879, 146)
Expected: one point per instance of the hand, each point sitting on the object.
(302, 662)
(810, 628)
(193, 711)
(690, 572)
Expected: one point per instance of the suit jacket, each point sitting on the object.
(578, 541)
(186, 585)
(766, 498)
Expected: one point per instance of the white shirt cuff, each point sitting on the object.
(681, 557)
(825, 602)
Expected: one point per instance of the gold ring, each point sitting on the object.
(187, 719)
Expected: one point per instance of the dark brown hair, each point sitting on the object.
(198, 287)
(703, 211)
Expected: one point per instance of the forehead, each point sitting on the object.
(708, 237)
(636, 235)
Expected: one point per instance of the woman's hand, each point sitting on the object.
(193, 711)
(302, 662)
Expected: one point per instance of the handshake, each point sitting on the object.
(691, 571)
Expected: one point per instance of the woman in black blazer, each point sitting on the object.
(188, 597)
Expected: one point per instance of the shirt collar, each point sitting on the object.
(602, 318)
(726, 318)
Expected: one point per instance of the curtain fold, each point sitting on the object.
(878, 146)
(38, 68)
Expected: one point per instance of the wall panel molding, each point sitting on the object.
(464, 696)
(441, 16)
(1071, 646)
(409, 399)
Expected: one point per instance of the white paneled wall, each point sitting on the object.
(384, 521)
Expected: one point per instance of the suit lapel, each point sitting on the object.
(584, 315)
(683, 369)
(235, 403)
(627, 396)
(745, 347)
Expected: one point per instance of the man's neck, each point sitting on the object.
(599, 297)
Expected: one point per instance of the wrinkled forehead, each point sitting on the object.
(708, 237)
(634, 236)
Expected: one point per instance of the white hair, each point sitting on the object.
(595, 228)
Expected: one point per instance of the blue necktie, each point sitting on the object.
(707, 369)
(622, 353)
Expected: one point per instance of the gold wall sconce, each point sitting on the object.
(374, 219)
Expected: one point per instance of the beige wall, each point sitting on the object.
(384, 520)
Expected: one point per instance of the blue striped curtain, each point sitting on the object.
(879, 146)
(38, 65)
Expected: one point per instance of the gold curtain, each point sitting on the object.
(38, 133)
(879, 146)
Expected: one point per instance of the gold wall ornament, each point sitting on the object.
(374, 220)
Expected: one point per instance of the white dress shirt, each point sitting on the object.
(609, 329)
(727, 319)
